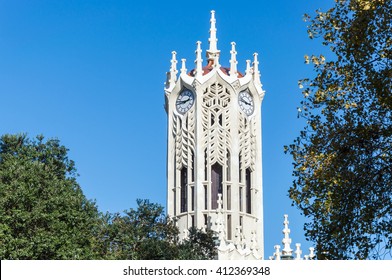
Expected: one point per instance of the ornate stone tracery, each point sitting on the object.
(183, 132)
(247, 140)
(216, 123)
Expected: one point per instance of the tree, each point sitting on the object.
(141, 234)
(146, 233)
(343, 157)
(199, 245)
(43, 212)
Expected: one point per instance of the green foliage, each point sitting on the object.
(199, 245)
(43, 212)
(141, 234)
(147, 234)
(343, 157)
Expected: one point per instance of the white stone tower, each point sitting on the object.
(214, 159)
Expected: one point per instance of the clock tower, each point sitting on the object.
(214, 158)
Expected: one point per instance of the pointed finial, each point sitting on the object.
(186, 233)
(198, 61)
(237, 241)
(298, 251)
(220, 202)
(183, 68)
(256, 72)
(248, 69)
(220, 230)
(172, 74)
(243, 240)
(233, 61)
(213, 52)
(253, 241)
(219, 222)
(311, 255)
(277, 252)
(173, 67)
(287, 251)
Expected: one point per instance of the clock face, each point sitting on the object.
(245, 100)
(185, 101)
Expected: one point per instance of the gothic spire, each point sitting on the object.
(233, 61)
(213, 52)
(199, 60)
(256, 72)
(173, 67)
(287, 251)
(172, 74)
(248, 69)
(298, 251)
(183, 68)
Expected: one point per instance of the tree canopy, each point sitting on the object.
(45, 215)
(146, 233)
(343, 157)
(43, 212)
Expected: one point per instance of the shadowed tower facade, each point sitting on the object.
(214, 158)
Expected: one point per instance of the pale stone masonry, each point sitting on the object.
(214, 155)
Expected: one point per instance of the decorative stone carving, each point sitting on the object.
(210, 146)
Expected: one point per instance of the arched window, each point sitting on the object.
(216, 184)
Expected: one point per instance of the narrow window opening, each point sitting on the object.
(216, 184)
(248, 192)
(240, 199)
(193, 166)
(205, 198)
(229, 227)
(205, 165)
(228, 169)
(193, 220)
(220, 119)
(193, 199)
(184, 190)
(228, 198)
(174, 202)
(240, 168)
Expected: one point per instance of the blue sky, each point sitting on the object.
(91, 74)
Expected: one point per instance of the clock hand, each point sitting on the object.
(183, 101)
(247, 103)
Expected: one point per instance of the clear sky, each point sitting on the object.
(91, 74)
